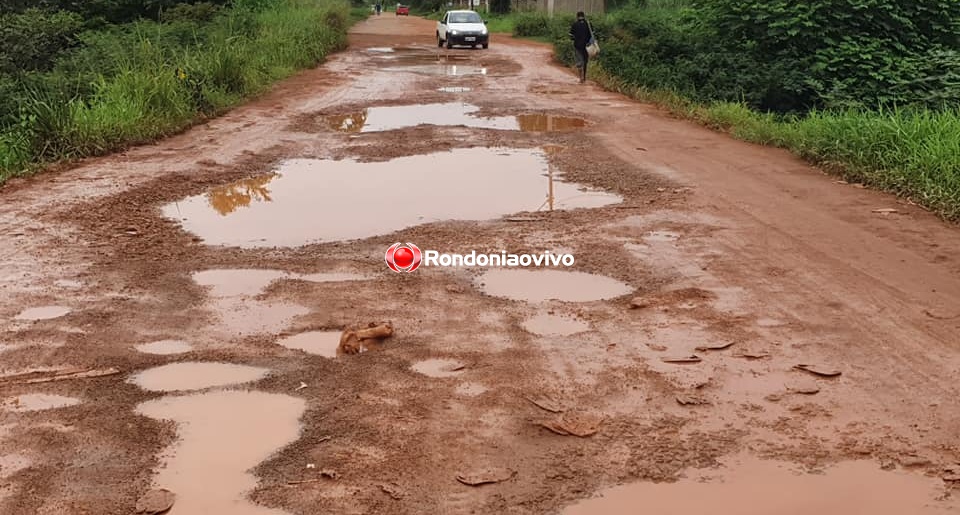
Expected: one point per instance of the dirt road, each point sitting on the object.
(179, 306)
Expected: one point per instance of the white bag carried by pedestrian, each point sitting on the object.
(593, 48)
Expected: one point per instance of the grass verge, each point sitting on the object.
(152, 87)
(912, 153)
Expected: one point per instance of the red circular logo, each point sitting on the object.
(406, 258)
(403, 257)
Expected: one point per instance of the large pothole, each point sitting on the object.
(309, 201)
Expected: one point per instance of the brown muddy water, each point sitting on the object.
(750, 486)
(38, 402)
(438, 367)
(463, 184)
(222, 435)
(239, 282)
(388, 118)
(545, 324)
(537, 286)
(43, 313)
(321, 343)
(165, 347)
(195, 376)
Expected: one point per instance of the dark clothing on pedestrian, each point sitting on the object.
(580, 34)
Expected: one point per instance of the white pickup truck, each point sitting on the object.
(462, 28)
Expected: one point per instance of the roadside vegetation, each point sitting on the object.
(867, 89)
(85, 78)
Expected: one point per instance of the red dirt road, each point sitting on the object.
(711, 242)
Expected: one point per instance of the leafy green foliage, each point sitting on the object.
(135, 82)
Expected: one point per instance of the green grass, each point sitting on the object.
(912, 153)
(154, 90)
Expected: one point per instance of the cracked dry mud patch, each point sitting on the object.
(710, 247)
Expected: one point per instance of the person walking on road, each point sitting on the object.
(580, 33)
(379, 8)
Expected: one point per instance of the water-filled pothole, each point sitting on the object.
(237, 282)
(462, 184)
(321, 343)
(757, 487)
(165, 347)
(441, 68)
(453, 89)
(39, 402)
(43, 313)
(222, 435)
(388, 118)
(545, 324)
(196, 376)
(549, 123)
(438, 367)
(544, 285)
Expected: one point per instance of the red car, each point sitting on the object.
(403, 9)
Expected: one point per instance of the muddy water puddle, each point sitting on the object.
(544, 285)
(441, 68)
(38, 402)
(165, 347)
(196, 376)
(454, 89)
(222, 435)
(546, 324)
(388, 118)
(438, 367)
(462, 184)
(238, 282)
(42, 313)
(321, 343)
(756, 487)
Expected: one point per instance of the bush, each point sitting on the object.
(140, 81)
(532, 25)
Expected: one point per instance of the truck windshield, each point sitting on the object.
(465, 18)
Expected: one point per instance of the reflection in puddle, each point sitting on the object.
(757, 487)
(463, 184)
(229, 198)
(165, 347)
(195, 376)
(453, 89)
(38, 402)
(43, 313)
(544, 285)
(321, 343)
(549, 123)
(382, 49)
(222, 436)
(546, 324)
(453, 70)
(438, 367)
(378, 119)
